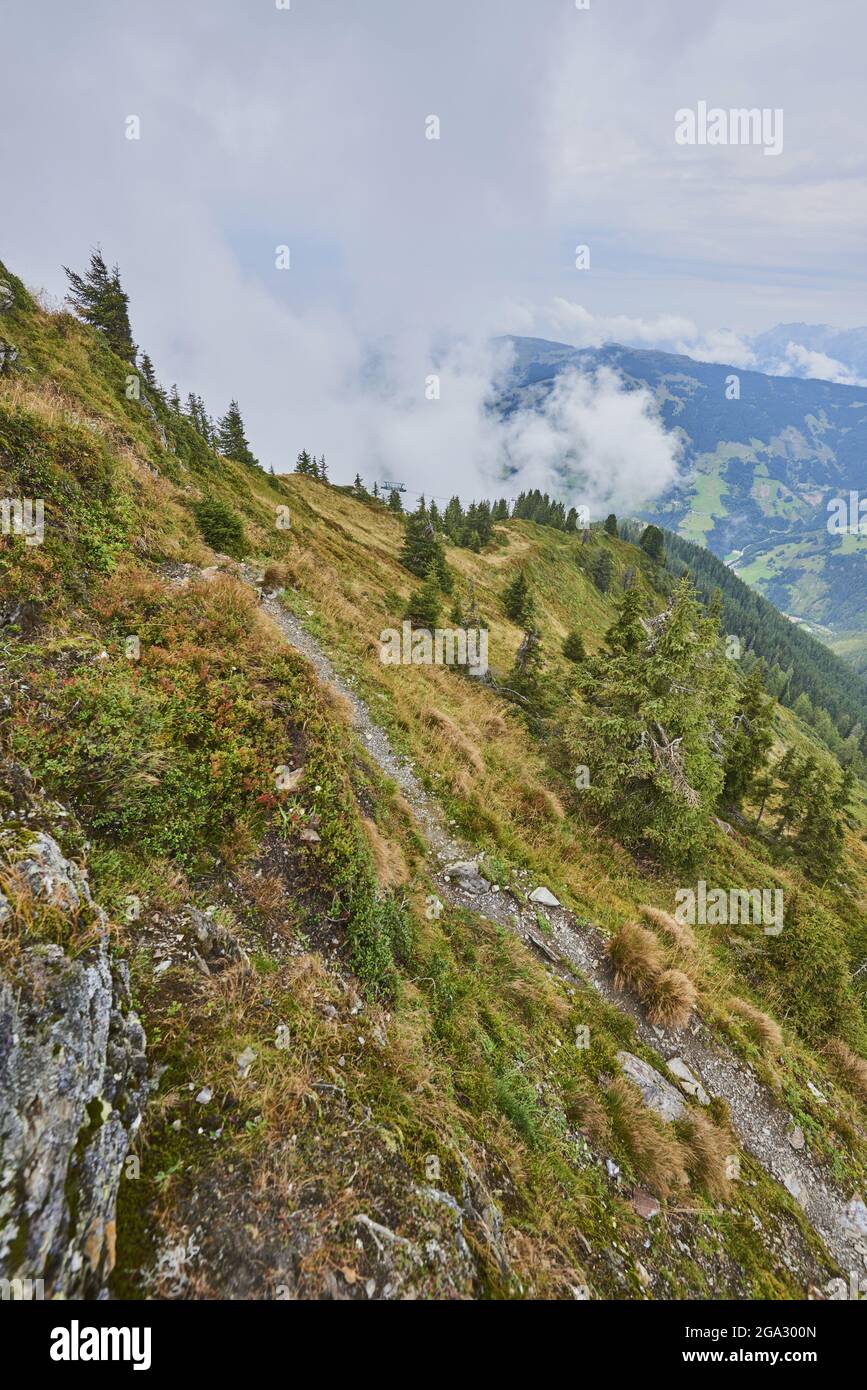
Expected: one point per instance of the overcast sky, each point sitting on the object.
(306, 127)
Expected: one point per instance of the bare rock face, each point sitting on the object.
(72, 1075)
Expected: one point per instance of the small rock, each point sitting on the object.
(245, 1061)
(659, 1094)
(793, 1185)
(612, 1168)
(204, 1095)
(643, 1276)
(309, 837)
(283, 1040)
(796, 1137)
(690, 1083)
(836, 1290)
(544, 897)
(466, 874)
(814, 1090)
(856, 1215)
(644, 1204)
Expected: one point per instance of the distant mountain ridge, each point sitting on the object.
(758, 471)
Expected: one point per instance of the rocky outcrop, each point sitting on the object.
(72, 1072)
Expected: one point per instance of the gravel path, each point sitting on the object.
(763, 1128)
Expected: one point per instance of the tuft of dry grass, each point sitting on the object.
(495, 726)
(542, 804)
(762, 1028)
(707, 1153)
(679, 933)
(656, 1155)
(850, 1068)
(455, 738)
(586, 1112)
(388, 860)
(636, 957)
(670, 1000)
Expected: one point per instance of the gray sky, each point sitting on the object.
(305, 127)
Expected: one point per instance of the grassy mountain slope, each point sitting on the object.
(347, 1056)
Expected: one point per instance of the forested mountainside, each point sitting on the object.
(333, 967)
(763, 459)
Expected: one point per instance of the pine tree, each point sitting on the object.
(518, 602)
(394, 501)
(573, 647)
(323, 470)
(376, 490)
(611, 525)
(101, 301)
(149, 376)
(653, 544)
(600, 566)
(421, 549)
(653, 725)
(304, 464)
(174, 400)
(751, 738)
(231, 438)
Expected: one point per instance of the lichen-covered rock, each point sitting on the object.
(72, 1081)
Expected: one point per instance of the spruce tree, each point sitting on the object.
(656, 712)
(232, 439)
(653, 544)
(99, 298)
(611, 525)
(518, 602)
(394, 501)
(751, 737)
(573, 647)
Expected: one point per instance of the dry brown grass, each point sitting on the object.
(541, 804)
(679, 933)
(340, 705)
(455, 738)
(495, 726)
(656, 1155)
(850, 1068)
(585, 1110)
(670, 1000)
(637, 958)
(762, 1028)
(707, 1152)
(277, 576)
(388, 861)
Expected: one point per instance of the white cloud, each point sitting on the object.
(801, 361)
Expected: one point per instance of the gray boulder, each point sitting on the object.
(659, 1094)
(72, 1086)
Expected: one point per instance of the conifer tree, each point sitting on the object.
(149, 376)
(99, 298)
(518, 602)
(611, 525)
(653, 725)
(653, 544)
(573, 647)
(231, 437)
(394, 501)
(304, 464)
(601, 569)
(751, 738)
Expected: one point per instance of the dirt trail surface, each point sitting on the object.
(763, 1128)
